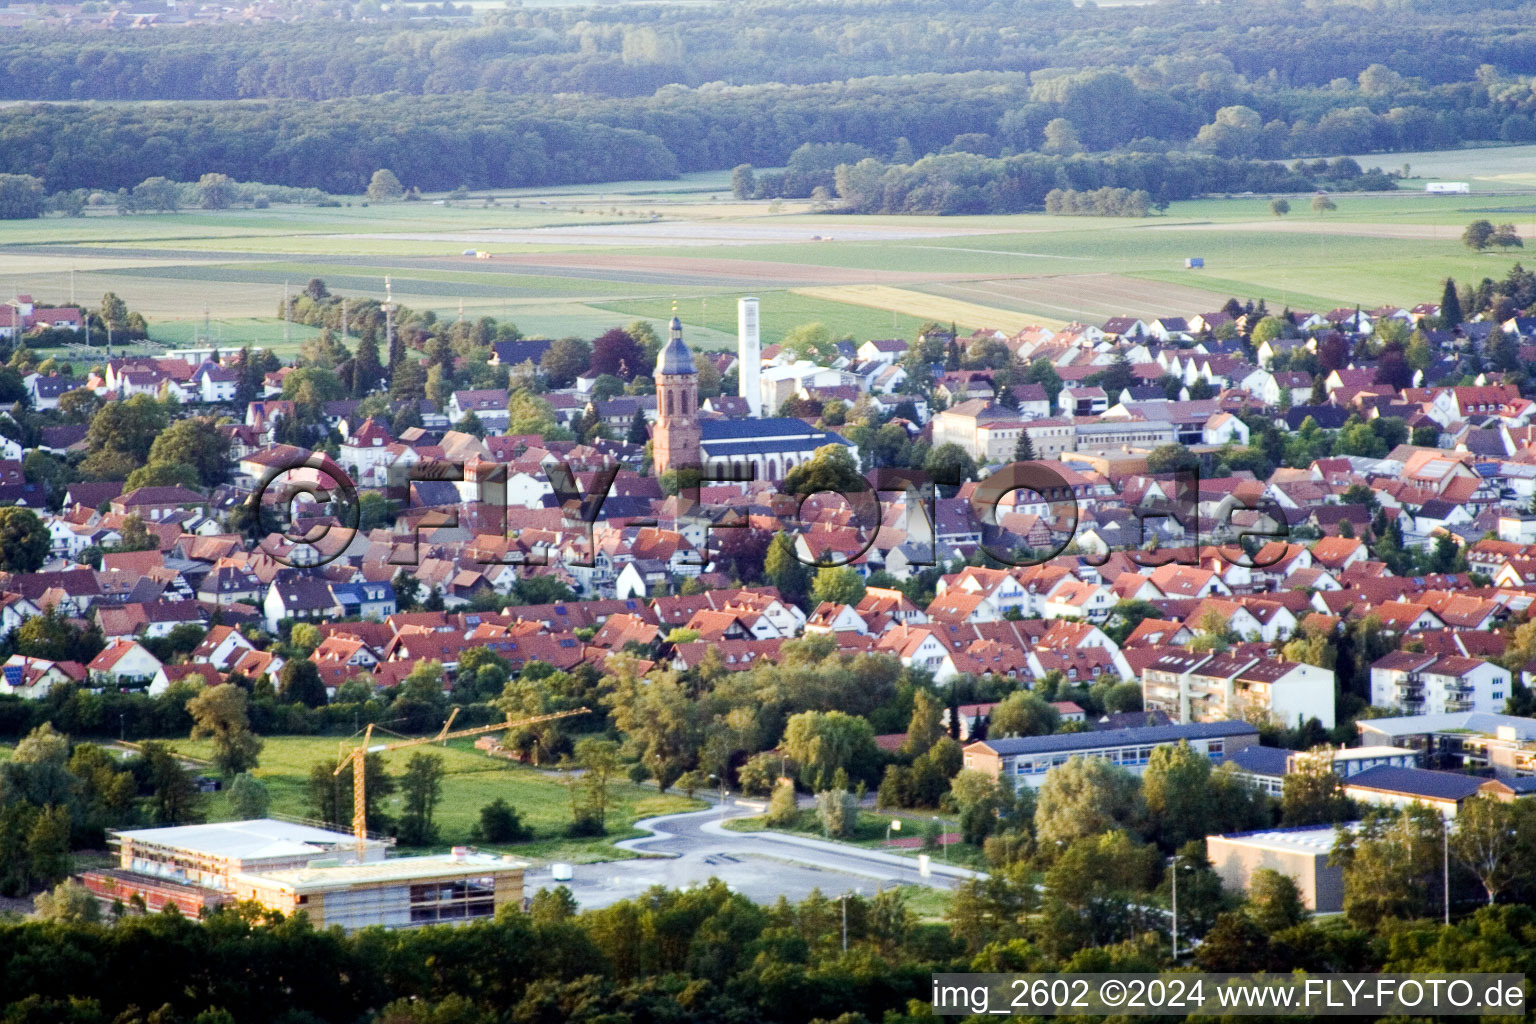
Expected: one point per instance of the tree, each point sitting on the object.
(1505, 236)
(599, 760)
(215, 192)
(1274, 901)
(1086, 797)
(499, 823)
(823, 743)
(1092, 891)
(1171, 458)
(367, 370)
(838, 812)
(69, 902)
(617, 353)
(174, 796)
(384, 186)
(1279, 207)
(330, 794)
(831, 468)
(1177, 789)
(1313, 794)
(926, 726)
(1494, 839)
(1022, 713)
(1478, 236)
(1024, 451)
(195, 442)
(300, 682)
(839, 585)
(782, 806)
(659, 718)
(1321, 203)
(24, 540)
(638, 433)
(1061, 138)
(1450, 305)
(53, 636)
(421, 788)
(978, 797)
(742, 184)
(950, 464)
(248, 797)
(219, 713)
(785, 571)
(124, 430)
(565, 360)
(21, 197)
(1392, 865)
(157, 193)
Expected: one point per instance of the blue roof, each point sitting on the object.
(725, 449)
(675, 357)
(1417, 782)
(1154, 734)
(1262, 760)
(349, 593)
(511, 353)
(772, 426)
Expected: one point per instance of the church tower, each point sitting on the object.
(675, 442)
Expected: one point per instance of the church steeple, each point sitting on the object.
(675, 443)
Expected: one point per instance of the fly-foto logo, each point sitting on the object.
(313, 509)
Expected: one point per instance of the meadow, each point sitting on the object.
(541, 798)
(581, 259)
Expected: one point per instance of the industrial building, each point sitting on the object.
(289, 867)
(1301, 854)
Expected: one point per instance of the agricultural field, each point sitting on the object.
(541, 798)
(581, 259)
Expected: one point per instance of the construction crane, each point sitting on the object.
(359, 754)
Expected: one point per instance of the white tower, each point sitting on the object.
(749, 355)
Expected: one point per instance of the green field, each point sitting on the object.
(541, 798)
(581, 259)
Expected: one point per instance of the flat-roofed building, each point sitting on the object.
(1301, 854)
(1025, 760)
(1267, 767)
(403, 892)
(289, 867)
(1404, 787)
(1506, 744)
(210, 855)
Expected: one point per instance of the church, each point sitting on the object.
(683, 437)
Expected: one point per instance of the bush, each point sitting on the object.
(782, 808)
(499, 823)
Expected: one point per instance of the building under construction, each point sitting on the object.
(288, 867)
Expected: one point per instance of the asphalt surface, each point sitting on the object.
(686, 850)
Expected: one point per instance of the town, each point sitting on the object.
(1266, 608)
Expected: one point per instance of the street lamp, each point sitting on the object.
(1445, 837)
(894, 825)
(1173, 864)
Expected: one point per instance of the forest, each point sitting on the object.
(557, 95)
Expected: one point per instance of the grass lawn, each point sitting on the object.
(870, 833)
(930, 905)
(541, 798)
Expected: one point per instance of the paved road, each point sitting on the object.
(689, 849)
